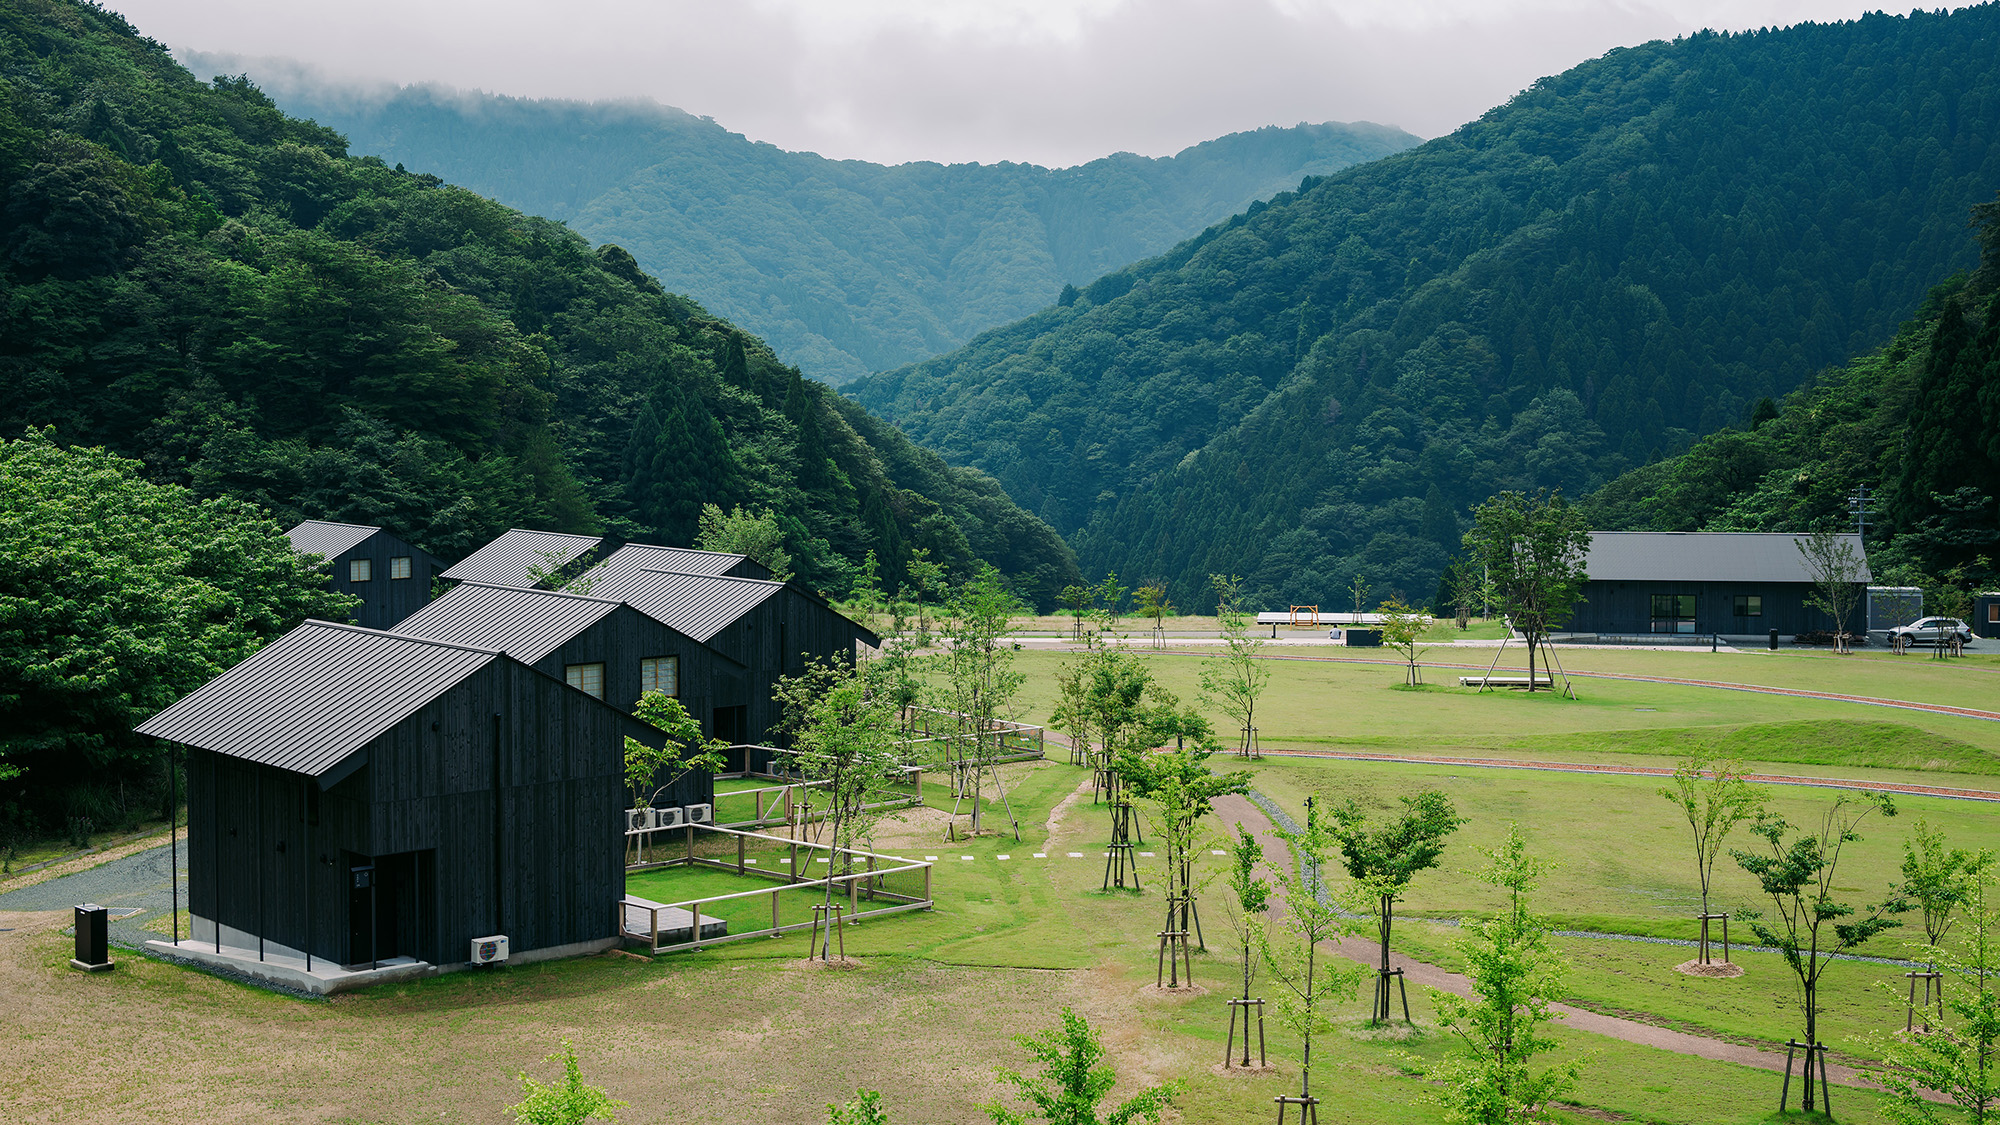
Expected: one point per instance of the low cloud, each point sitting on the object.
(1050, 81)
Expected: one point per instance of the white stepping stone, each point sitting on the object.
(1003, 857)
(1148, 855)
(1041, 855)
(751, 862)
(1217, 851)
(931, 858)
(1076, 855)
(965, 857)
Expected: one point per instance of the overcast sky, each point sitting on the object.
(1050, 81)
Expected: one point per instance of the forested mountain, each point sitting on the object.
(1619, 259)
(193, 278)
(1917, 421)
(844, 266)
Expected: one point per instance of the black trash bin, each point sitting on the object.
(1774, 640)
(93, 938)
(1364, 638)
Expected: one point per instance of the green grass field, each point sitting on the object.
(741, 1031)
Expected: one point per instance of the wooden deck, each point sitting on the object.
(676, 924)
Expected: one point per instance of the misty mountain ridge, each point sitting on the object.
(845, 267)
(1620, 259)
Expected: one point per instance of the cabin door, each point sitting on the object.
(361, 899)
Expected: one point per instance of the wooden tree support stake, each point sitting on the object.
(827, 916)
(1933, 985)
(1229, 1049)
(1792, 1046)
(1308, 1108)
(1119, 860)
(1705, 918)
(1382, 994)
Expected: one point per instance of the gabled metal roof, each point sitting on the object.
(523, 623)
(323, 537)
(700, 605)
(1703, 556)
(308, 700)
(624, 563)
(506, 560)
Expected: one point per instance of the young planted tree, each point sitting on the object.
(1359, 588)
(1403, 630)
(1808, 926)
(1713, 796)
(1151, 601)
(1107, 597)
(1078, 600)
(756, 535)
(1075, 1081)
(979, 681)
(1310, 917)
(1383, 858)
(845, 740)
(1533, 548)
(1834, 568)
(568, 1100)
(1182, 789)
(1954, 1058)
(1516, 978)
(652, 770)
(1234, 681)
(1249, 896)
(865, 1109)
(1937, 881)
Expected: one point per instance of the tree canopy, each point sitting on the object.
(192, 278)
(1621, 258)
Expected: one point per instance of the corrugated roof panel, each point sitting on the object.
(322, 537)
(624, 563)
(310, 699)
(525, 624)
(1703, 556)
(699, 605)
(506, 560)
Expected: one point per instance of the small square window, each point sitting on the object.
(1749, 605)
(661, 674)
(586, 678)
(1993, 613)
(360, 570)
(399, 566)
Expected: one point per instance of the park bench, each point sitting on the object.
(1504, 681)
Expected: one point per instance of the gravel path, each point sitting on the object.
(137, 882)
(1253, 815)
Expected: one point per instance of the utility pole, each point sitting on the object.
(1857, 506)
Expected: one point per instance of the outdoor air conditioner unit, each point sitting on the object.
(668, 818)
(700, 814)
(641, 820)
(489, 950)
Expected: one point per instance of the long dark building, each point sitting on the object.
(1741, 584)
(600, 646)
(773, 628)
(391, 577)
(360, 796)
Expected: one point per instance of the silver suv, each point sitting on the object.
(1932, 630)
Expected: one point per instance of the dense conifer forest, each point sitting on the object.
(1619, 260)
(843, 266)
(1916, 421)
(195, 279)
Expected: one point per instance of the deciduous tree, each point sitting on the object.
(1533, 547)
(1383, 858)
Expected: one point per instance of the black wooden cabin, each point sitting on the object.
(773, 628)
(362, 795)
(392, 578)
(600, 646)
(1741, 584)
